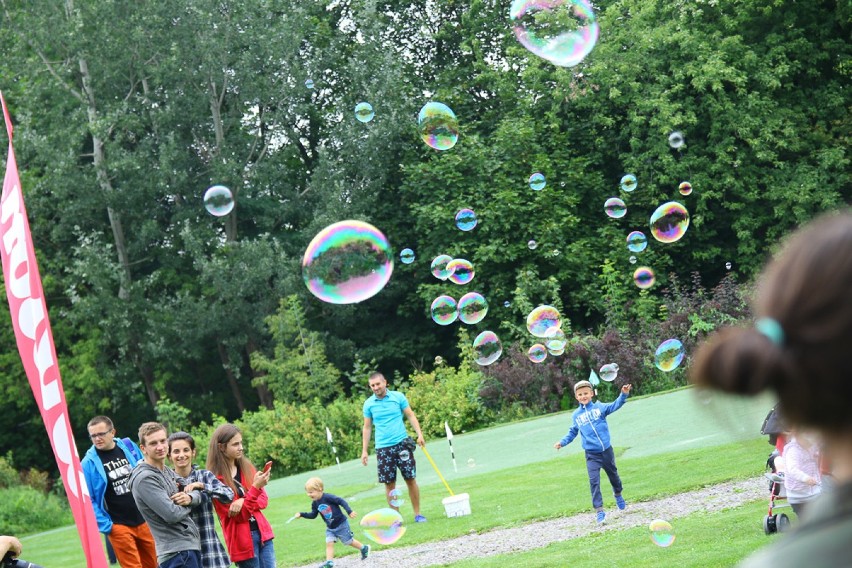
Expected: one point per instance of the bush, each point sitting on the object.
(26, 510)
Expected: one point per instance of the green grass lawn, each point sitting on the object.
(518, 477)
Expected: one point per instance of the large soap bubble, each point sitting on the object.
(609, 372)
(544, 321)
(487, 348)
(364, 112)
(669, 355)
(439, 266)
(438, 126)
(662, 533)
(644, 277)
(218, 200)
(636, 241)
(407, 256)
(628, 182)
(444, 310)
(615, 208)
(466, 219)
(461, 271)
(537, 181)
(347, 262)
(472, 308)
(669, 222)
(537, 353)
(384, 526)
(560, 31)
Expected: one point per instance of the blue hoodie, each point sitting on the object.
(96, 479)
(590, 422)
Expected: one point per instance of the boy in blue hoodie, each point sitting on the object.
(590, 422)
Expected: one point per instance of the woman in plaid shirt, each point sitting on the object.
(182, 453)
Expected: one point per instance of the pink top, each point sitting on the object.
(802, 466)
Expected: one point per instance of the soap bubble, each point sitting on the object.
(487, 348)
(461, 271)
(556, 341)
(471, 462)
(669, 222)
(395, 497)
(537, 181)
(439, 266)
(438, 126)
(507, 304)
(406, 256)
(347, 262)
(444, 310)
(728, 266)
(537, 353)
(609, 372)
(637, 241)
(384, 526)
(556, 352)
(560, 31)
(662, 533)
(543, 321)
(472, 308)
(644, 277)
(628, 182)
(364, 112)
(218, 200)
(676, 140)
(632, 259)
(309, 83)
(685, 188)
(465, 219)
(615, 208)
(532, 245)
(669, 355)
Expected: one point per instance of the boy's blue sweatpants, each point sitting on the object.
(594, 462)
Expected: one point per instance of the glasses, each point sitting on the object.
(100, 434)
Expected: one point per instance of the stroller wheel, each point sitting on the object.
(769, 524)
(782, 523)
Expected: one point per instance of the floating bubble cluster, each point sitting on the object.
(466, 219)
(364, 112)
(444, 310)
(662, 533)
(461, 271)
(563, 32)
(685, 188)
(537, 181)
(669, 222)
(615, 208)
(218, 200)
(406, 256)
(487, 348)
(347, 262)
(438, 126)
(544, 321)
(472, 308)
(669, 355)
(637, 241)
(537, 353)
(439, 266)
(644, 277)
(609, 372)
(383, 526)
(628, 182)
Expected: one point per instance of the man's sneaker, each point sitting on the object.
(419, 519)
(365, 551)
(601, 517)
(619, 500)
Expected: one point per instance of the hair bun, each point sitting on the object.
(739, 361)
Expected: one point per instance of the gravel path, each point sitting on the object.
(542, 533)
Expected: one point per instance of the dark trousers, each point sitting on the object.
(595, 461)
(184, 559)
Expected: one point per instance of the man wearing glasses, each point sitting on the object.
(106, 467)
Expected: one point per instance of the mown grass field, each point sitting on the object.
(666, 444)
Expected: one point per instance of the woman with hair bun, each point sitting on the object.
(799, 348)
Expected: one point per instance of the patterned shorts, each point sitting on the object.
(394, 457)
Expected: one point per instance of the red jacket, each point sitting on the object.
(237, 530)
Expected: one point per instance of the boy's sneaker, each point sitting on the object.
(419, 519)
(619, 500)
(365, 551)
(601, 517)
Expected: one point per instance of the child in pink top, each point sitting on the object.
(802, 479)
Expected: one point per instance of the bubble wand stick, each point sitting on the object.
(450, 441)
(435, 467)
(331, 443)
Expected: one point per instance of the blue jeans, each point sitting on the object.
(264, 554)
(595, 461)
(184, 559)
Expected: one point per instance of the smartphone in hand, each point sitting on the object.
(267, 467)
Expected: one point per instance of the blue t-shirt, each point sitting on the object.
(386, 414)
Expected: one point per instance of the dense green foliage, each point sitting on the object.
(26, 505)
(126, 112)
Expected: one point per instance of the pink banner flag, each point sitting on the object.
(38, 354)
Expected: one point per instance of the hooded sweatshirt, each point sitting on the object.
(590, 422)
(96, 479)
(170, 523)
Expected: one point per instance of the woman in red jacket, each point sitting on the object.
(248, 534)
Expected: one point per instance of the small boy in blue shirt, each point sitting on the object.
(337, 526)
(590, 422)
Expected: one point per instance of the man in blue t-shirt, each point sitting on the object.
(386, 409)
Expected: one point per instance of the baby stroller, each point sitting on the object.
(774, 522)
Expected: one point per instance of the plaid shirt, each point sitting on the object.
(213, 554)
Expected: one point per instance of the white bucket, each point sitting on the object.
(457, 505)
